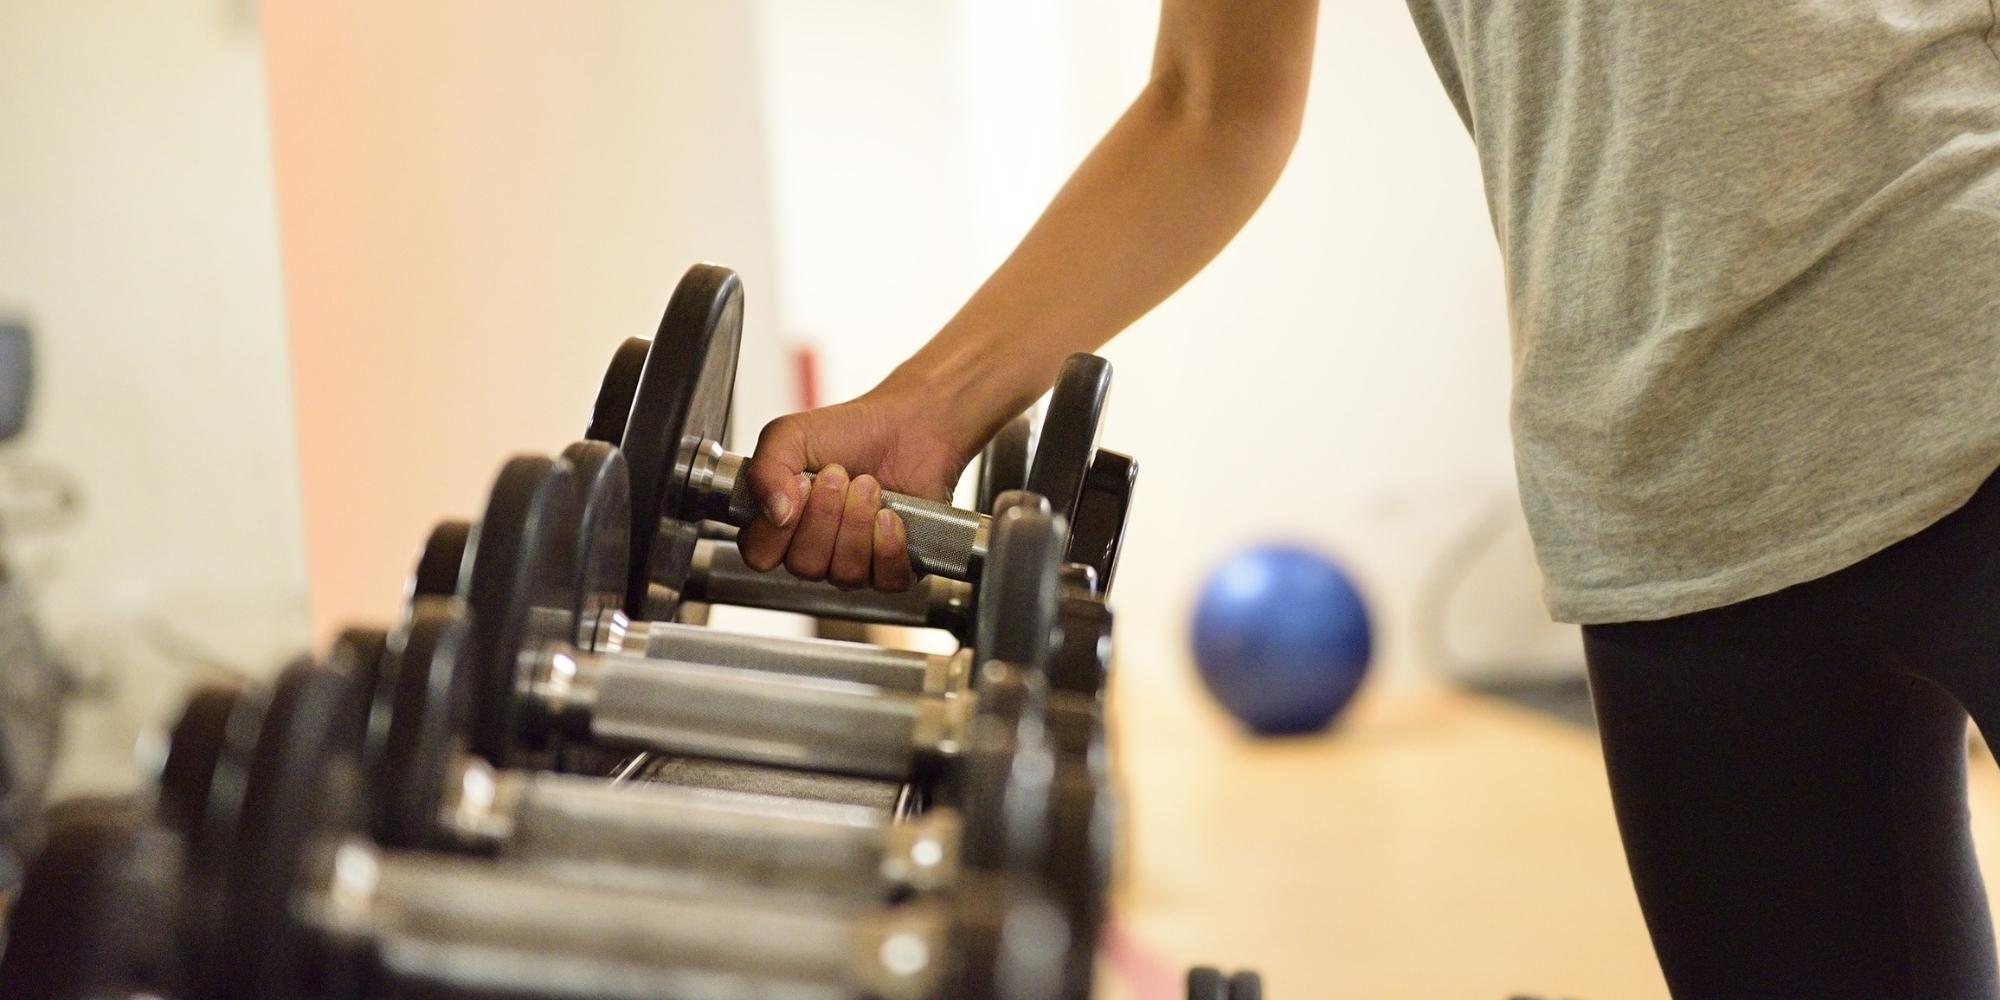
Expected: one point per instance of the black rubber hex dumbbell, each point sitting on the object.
(718, 575)
(1020, 811)
(1079, 664)
(310, 908)
(540, 689)
(666, 404)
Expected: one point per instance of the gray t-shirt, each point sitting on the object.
(1752, 252)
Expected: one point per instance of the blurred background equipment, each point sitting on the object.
(33, 685)
(32, 682)
(1282, 639)
(17, 377)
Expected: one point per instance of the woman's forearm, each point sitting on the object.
(1166, 189)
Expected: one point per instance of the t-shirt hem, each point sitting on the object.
(1846, 544)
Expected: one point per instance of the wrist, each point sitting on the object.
(962, 394)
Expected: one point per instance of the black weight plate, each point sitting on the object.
(1069, 432)
(202, 926)
(430, 701)
(441, 566)
(358, 652)
(194, 749)
(1019, 589)
(1004, 792)
(301, 790)
(1007, 943)
(518, 592)
(1101, 513)
(1083, 827)
(613, 405)
(1246, 986)
(681, 405)
(1003, 465)
(1204, 983)
(75, 929)
(1082, 661)
(604, 524)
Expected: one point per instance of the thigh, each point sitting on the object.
(1793, 813)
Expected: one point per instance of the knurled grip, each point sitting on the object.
(941, 539)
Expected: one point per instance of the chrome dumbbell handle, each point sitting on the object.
(680, 836)
(744, 715)
(855, 662)
(720, 576)
(473, 927)
(943, 540)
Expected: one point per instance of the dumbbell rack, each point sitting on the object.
(542, 783)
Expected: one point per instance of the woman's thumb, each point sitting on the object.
(775, 468)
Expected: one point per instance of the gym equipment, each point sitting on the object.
(311, 908)
(1025, 813)
(85, 924)
(1209, 983)
(17, 378)
(602, 509)
(602, 504)
(718, 575)
(34, 685)
(538, 689)
(1003, 463)
(1281, 638)
(666, 403)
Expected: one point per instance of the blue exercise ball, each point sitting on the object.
(1281, 638)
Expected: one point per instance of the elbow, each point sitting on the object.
(1264, 110)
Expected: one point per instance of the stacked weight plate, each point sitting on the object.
(541, 782)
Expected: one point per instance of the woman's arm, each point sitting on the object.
(1164, 191)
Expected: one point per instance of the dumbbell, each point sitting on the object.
(666, 404)
(310, 908)
(538, 689)
(601, 479)
(87, 922)
(1003, 463)
(717, 573)
(1023, 812)
(1209, 983)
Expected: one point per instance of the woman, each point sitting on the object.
(1752, 251)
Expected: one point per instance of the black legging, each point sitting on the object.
(1789, 775)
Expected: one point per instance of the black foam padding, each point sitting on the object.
(17, 378)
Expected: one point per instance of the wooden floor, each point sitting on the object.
(1439, 846)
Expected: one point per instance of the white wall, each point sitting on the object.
(137, 236)
(1338, 376)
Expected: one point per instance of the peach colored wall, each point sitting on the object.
(476, 202)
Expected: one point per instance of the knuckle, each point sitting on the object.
(804, 568)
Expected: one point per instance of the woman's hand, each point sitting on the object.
(833, 527)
